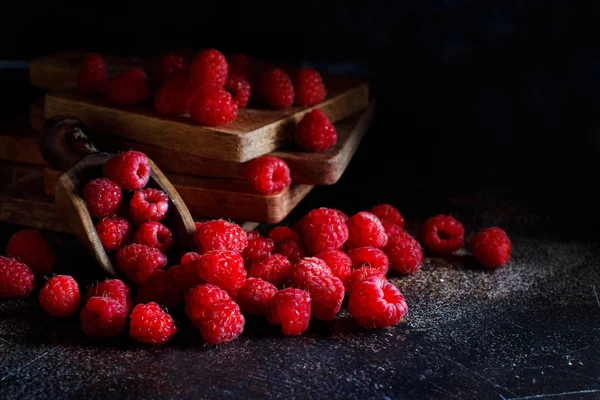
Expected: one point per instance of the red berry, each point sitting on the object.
(376, 303)
(198, 224)
(172, 64)
(174, 96)
(342, 214)
(253, 235)
(308, 268)
(209, 67)
(369, 257)
(257, 249)
(16, 279)
(405, 253)
(199, 299)
(315, 133)
(148, 205)
(92, 76)
(103, 317)
(491, 247)
(255, 296)
(391, 229)
(60, 296)
(102, 197)
(130, 170)
(280, 233)
(267, 174)
(113, 232)
(220, 235)
(239, 65)
(155, 234)
(212, 106)
(388, 213)
(137, 262)
(442, 234)
(326, 294)
(30, 247)
(309, 87)
(113, 289)
(338, 261)
(182, 278)
(148, 323)
(324, 228)
(189, 257)
(129, 88)
(274, 269)
(365, 229)
(161, 289)
(223, 323)
(240, 90)
(290, 308)
(291, 249)
(223, 268)
(276, 88)
(359, 275)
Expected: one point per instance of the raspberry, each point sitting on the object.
(280, 233)
(326, 293)
(376, 303)
(257, 249)
(16, 279)
(388, 213)
(199, 299)
(30, 247)
(391, 229)
(253, 235)
(92, 76)
(220, 235)
(113, 289)
(267, 174)
(183, 279)
(290, 308)
(159, 288)
(369, 257)
(102, 197)
(359, 275)
(198, 224)
(155, 234)
(103, 317)
(60, 296)
(324, 228)
(315, 133)
(189, 257)
(443, 234)
(239, 65)
(148, 205)
(365, 229)
(491, 247)
(174, 96)
(342, 214)
(308, 268)
(291, 249)
(137, 262)
(255, 296)
(172, 64)
(273, 269)
(223, 268)
(209, 67)
(405, 253)
(276, 88)
(338, 261)
(129, 88)
(240, 90)
(212, 106)
(113, 232)
(309, 87)
(130, 170)
(151, 324)
(223, 323)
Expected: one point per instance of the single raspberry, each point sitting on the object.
(267, 174)
(137, 262)
(324, 228)
(257, 249)
(240, 90)
(30, 247)
(290, 308)
(308, 268)
(148, 323)
(102, 197)
(183, 279)
(209, 67)
(212, 106)
(224, 322)
(309, 87)
(223, 268)
(220, 235)
(148, 205)
(326, 294)
(274, 269)
(199, 299)
(365, 229)
(253, 235)
(338, 261)
(405, 254)
(342, 214)
(388, 213)
(114, 289)
(291, 249)
(174, 96)
(276, 89)
(189, 257)
(161, 289)
(155, 234)
(391, 229)
(280, 233)
(359, 275)
(103, 317)
(369, 257)
(129, 88)
(442, 234)
(92, 76)
(255, 296)
(16, 279)
(491, 247)
(315, 133)
(376, 303)
(172, 64)
(198, 224)
(239, 65)
(113, 232)
(130, 170)
(60, 296)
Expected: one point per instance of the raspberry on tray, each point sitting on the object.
(130, 170)
(267, 174)
(315, 132)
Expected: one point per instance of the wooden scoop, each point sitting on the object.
(65, 146)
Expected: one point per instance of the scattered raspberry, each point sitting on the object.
(280, 233)
(291, 249)
(315, 133)
(148, 205)
(174, 96)
(102, 197)
(324, 228)
(129, 88)
(223, 323)
(189, 257)
(276, 88)
(183, 279)
(376, 303)
(172, 64)
(103, 317)
(255, 296)
(199, 299)
(212, 106)
(338, 261)
(137, 262)
(161, 289)
(60, 296)
(16, 279)
(155, 234)
(442, 234)
(274, 269)
(369, 257)
(113, 289)
(290, 308)
(130, 170)
(326, 293)
(239, 65)
(209, 67)
(491, 247)
(388, 213)
(359, 275)
(267, 174)
(405, 253)
(257, 249)
(220, 235)
(240, 90)
(92, 76)
(151, 324)
(307, 268)
(223, 268)
(391, 229)
(30, 247)
(113, 232)
(309, 87)
(365, 229)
